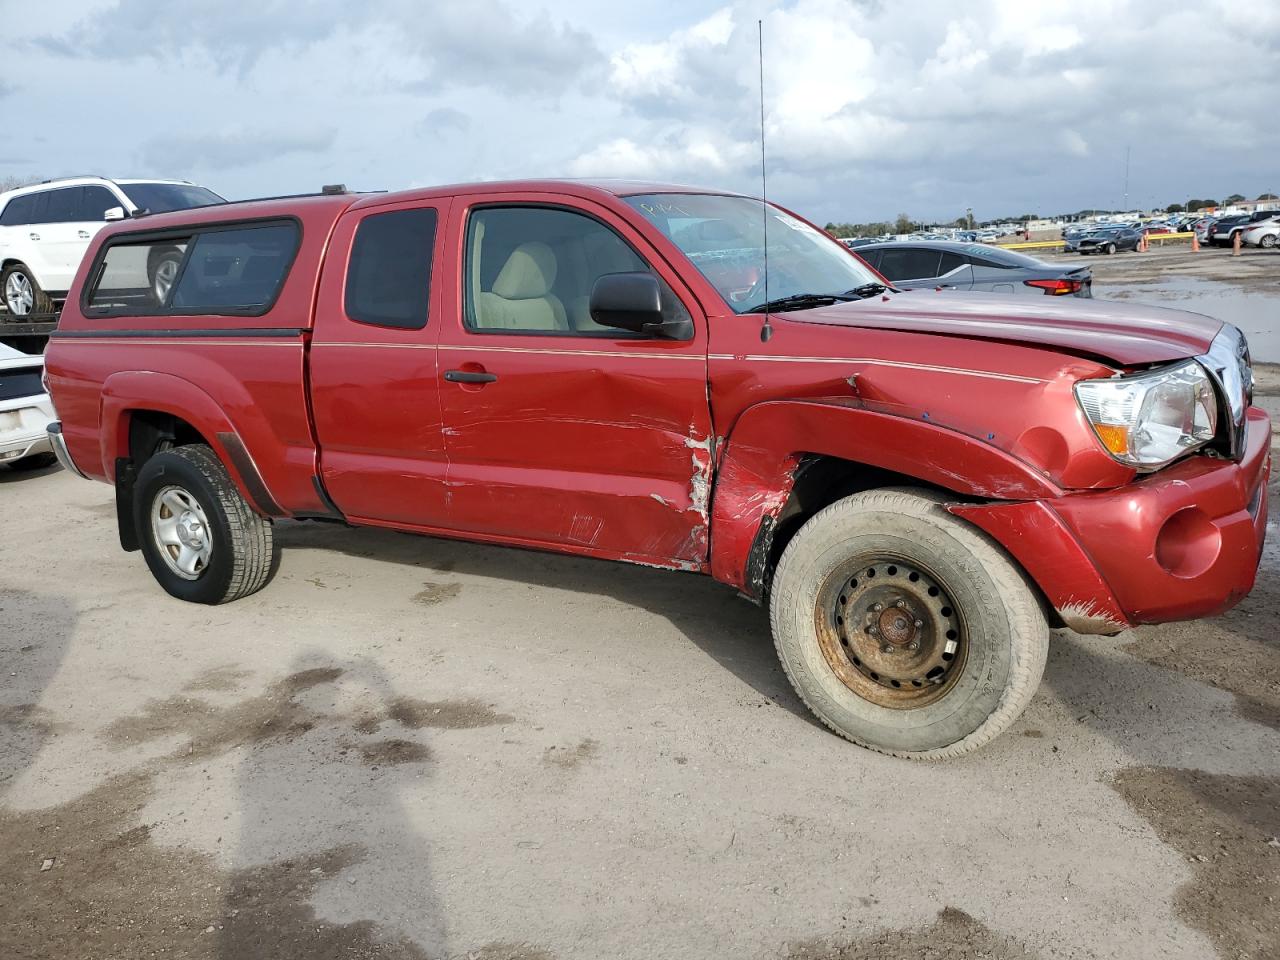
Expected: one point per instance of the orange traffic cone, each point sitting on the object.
(1195, 243)
(1142, 244)
(1235, 243)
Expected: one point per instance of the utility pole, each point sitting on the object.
(1125, 206)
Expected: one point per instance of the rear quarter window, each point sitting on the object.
(233, 270)
(389, 274)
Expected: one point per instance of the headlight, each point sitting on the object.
(1151, 419)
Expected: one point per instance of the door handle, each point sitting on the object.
(469, 376)
(34, 236)
(83, 234)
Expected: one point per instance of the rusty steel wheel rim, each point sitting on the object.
(891, 632)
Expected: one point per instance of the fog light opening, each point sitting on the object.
(1188, 543)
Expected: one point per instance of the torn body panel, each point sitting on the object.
(757, 473)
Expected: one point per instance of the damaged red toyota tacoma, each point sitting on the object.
(918, 485)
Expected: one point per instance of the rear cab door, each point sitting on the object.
(374, 391)
(559, 431)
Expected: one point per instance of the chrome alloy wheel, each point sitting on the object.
(18, 295)
(181, 532)
(890, 631)
(166, 273)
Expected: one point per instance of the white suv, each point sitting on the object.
(45, 229)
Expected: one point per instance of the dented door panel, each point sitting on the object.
(595, 443)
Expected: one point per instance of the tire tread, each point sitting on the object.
(1029, 627)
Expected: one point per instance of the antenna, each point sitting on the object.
(766, 331)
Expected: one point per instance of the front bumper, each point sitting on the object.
(1179, 544)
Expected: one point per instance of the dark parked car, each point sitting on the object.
(973, 266)
(1109, 240)
(1222, 233)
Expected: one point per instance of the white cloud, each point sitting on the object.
(871, 107)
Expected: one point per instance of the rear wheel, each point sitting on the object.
(22, 294)
(1268, 241)
(904, 629)
(200, 539)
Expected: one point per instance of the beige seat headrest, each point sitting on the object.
(529, 272)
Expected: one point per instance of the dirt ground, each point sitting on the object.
(410, 748)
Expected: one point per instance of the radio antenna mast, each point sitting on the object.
(766, 331)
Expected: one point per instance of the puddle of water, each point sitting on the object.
(1257, 313)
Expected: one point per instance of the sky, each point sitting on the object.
(872, 108)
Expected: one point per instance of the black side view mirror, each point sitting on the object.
(633, 301)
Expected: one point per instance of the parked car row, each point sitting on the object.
(1221, 232)
(46, 228)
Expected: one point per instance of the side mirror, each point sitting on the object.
(633, 301)
(114, 213)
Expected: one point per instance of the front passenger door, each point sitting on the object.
(560, 431)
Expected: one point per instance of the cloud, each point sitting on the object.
(871, 107)
(445, 120)
(483, 43)
(237, 148)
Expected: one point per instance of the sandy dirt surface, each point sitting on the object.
(411, 748)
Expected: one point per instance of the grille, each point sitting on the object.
(20, 383)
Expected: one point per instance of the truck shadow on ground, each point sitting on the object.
(38, 629)
(729, 629)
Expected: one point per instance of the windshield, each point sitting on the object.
(163, 197)
(724, 239)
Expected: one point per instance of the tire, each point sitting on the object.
(162, 270)
(23, 296)
(37, 461)
(190, 484)
(1267, 241)
(977, 603)
(1109, 249)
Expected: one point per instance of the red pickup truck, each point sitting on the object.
(920, 485)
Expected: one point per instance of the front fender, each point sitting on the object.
(132, 390)
(757, 470)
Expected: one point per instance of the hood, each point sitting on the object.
(1123, 333)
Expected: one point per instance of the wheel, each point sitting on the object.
(903, 628)
(37, 461)
(22, 294)
(1109, 249)
(162, 270)
(200, 538)
(1267, 241)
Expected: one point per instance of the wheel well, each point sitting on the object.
(149, 431)
(819, 482)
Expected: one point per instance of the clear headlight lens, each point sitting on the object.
(1150, 419)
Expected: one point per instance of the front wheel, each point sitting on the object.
(905, 629)
(1110, 249)
(200, 538)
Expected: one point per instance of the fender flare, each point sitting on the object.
(758, 465)
(130, 390)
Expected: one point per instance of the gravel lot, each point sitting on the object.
(413, 748)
